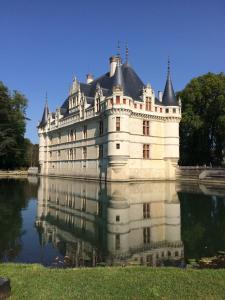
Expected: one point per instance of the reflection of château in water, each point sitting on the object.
(112, 223)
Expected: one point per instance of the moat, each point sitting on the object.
(65, 222)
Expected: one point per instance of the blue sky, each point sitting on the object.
(45, 43)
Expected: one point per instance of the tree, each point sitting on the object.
(202, 128)
(12, 128)
(31, 154)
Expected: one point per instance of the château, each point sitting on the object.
(113, 128)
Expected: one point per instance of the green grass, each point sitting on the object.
(37, 282)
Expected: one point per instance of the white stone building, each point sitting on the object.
(113, 128)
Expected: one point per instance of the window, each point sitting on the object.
(83, 203)
(146, 151)
(75, 134)
(155, 109)
(117, 242)
(59, 138)
(74, 153)
(98, 104)
(117, 99)
(117, 123)
(148, 104)
(135, 105)
(117, 218)
(99, 209)
(146, 210)
(160, 109)
(117, 146)
(59, 153)
(71, 135)
(167, 110)
(140, 106)
(124, 101)
(50, 154)
(174, 110)
(50, 139)
(146, 127)
(83, 224)
(101, 128)
(85, 131)
(84, 152)
(146, 235)
(71, 154)
(100, 151)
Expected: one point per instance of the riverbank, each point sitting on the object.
(14, 173)
(37, 282)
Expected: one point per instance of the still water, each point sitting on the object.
(62, 222)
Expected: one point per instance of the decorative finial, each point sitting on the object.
(118, 48)
(168, 67)
(127, 53)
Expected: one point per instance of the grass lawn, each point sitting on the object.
(37, 282)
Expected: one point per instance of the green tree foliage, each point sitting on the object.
(12, 128)
(31, 154)
(202, 128)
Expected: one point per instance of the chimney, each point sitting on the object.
(160, 95)
(89, 78)
(113, 62)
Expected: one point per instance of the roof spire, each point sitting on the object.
(127, 53)
(169, 97)
(168, 66)
(118, 48)
(118, 81)
(44, 119)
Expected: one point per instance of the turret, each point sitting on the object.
(169, 98)
(118, 80)
(44, 119)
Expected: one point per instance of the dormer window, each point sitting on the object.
(148, 104)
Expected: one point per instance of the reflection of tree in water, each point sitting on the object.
(14, 196)
(202, 224)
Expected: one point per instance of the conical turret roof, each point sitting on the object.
(44, 119)
(118, 80)
(169, 98)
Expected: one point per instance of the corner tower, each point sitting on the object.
(43, 145)
(171, 127)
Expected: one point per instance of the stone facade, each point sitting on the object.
(113, 128)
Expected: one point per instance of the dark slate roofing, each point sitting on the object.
(157, 101)
(118, 80)
(44, 119)
(133, 84)
(124, 76)
(169, 98)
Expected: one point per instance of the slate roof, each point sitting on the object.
(132, 85)
(44, 119)
(124, 75)
(169, 98)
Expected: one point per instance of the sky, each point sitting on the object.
(45, 43)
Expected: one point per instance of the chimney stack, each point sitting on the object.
(113, 63)
(89, 78)
(160, 95)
